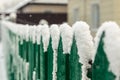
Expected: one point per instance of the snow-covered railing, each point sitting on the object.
(61, 52)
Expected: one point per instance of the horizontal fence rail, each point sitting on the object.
(61, 52)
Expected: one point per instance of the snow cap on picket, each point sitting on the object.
(67, 37)
(55, 35)
(111, 45)
(11, 26)
(21, 32)
(84, 41)
(32, 33)
(26, 29)
(45, 36)
(38, 34)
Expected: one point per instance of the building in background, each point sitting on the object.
(53, 11)
(94, 12)
(85, 10)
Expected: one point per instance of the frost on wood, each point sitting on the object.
(67, 37)
(55, 35)
(45, 36)
(111, 45)
(84, 44)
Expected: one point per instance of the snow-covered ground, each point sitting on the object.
(3, 75)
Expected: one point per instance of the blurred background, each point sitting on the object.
(94, 12)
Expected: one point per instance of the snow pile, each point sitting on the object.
(55, 35)
(67, 37)
(32, 33)
(26, 28)
(3, 72)
(26, 70)
(45, 36)
(38, 34)
(111, 45)
(11, 26)
(84, 44)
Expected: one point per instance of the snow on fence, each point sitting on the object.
(43, 52)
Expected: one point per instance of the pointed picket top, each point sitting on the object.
(111, 45)
(45, 33)
(55, 35)
(67, 37)
(84, 41)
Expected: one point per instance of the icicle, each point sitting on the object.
(67, 37)
(111, 45)
(45, 36)
(85, 45)
(27, 70)
(55, 34)
(34, 75)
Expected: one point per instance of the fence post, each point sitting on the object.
(31, 52)
(101, 63)
(106, 62)
(75, 66)
(55, 35)
(61, 62)
(85, 47)
(45, 37)
(50, 60)
(42, 61)
(65, 44)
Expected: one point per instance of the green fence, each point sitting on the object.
(55, 53)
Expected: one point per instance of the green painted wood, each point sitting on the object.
(20, 49)
(75, 66)
(101, 64)
(50, 60)
(67, 66)
(24, 50)
(31, 59)
(42, 62)
(38, 62)
(61, 75)
(46, 65)
(27, 51)
(34, 52)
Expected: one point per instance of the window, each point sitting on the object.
(75, 14)
(95, 15)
